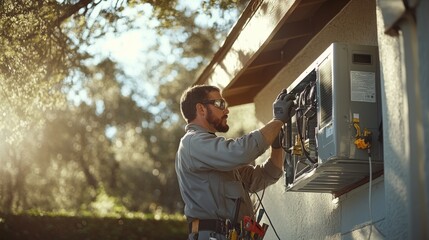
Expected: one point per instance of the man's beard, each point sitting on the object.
(217, 122)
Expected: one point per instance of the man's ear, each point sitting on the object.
(201, 109)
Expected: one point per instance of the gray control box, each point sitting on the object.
(336, 131)
(348, 84)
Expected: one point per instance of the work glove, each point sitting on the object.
(283, 106)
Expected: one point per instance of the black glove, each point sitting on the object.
(283, 106)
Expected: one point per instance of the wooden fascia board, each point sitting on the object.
(248, 41)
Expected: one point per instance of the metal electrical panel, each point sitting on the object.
(336, 131)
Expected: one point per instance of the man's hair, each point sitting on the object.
(192, 96)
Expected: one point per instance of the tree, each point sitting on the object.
(61, 152)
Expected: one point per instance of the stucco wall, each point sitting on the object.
(357, 23)
(317, 215)
(395, 157)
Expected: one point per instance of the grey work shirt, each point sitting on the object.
(213, 172)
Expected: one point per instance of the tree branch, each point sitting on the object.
(73, 9)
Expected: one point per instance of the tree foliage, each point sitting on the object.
(77, 130)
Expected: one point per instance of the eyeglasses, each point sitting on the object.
(219, 103)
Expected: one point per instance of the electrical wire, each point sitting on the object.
(370, 193)
(263, 207)
(300, 117)
(268, 217)
(372, 225)
(255, 208)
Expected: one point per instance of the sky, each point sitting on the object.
(128, 47)
(138, 51)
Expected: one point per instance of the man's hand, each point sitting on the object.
(283, 106)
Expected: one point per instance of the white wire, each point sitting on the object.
(370, 194)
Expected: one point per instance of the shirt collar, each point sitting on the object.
(196, 127)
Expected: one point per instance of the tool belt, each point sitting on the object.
(247, 229)
(214, 225)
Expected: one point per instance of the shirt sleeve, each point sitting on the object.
(256, 178)
(209, 151)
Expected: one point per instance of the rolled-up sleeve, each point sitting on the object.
(256, 178)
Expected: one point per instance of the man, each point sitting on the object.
(215, 176)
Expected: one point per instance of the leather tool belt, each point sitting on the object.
(214, 225)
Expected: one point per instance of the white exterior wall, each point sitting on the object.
(318, 215)
(357, 23)
(399, 200)
(396, 163)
